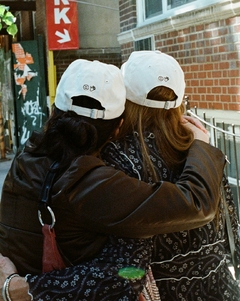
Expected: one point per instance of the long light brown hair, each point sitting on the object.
(172, 138)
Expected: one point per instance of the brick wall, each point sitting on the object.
(209, 55)
(63, 58)
(126, 50)
(128, 21)
(128, 16)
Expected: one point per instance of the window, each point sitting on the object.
(144, 44)
(175, 3)
(155, 7)
(152, 10)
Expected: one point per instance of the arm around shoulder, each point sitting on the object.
(194, 197)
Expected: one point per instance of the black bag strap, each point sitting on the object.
(45, 197)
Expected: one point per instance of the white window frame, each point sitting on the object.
(168, 13)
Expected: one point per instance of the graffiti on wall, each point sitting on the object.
(31, 113)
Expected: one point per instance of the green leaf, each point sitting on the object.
(3, 8)
(8, 18)
(12, 29)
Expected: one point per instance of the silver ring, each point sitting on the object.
(52, 215)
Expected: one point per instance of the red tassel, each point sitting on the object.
(52, 259)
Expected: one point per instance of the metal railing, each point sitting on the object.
(229, 142)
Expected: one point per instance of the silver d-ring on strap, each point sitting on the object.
(52, 215)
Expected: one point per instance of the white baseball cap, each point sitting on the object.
(103, 82)
(145, 70)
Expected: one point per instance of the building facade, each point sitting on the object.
(202, 35)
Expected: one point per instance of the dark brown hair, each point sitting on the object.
(67, 135)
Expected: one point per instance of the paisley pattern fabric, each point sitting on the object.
(98, 279)
(189, 265)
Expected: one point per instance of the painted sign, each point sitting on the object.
(31, 105)
(62, 24)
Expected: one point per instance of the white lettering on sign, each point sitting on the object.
(58, 15)
(65, 37)
(57, 2)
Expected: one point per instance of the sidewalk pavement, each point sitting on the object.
(4, 167)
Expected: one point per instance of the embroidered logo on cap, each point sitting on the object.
(87, 87)
(162, 78)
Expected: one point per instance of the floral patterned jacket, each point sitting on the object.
(188, 265)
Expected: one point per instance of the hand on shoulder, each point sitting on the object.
(196, 127)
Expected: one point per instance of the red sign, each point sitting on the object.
(62, 24)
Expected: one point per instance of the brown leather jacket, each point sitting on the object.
(91, 201)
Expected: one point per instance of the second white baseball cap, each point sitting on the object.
(145, 70)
